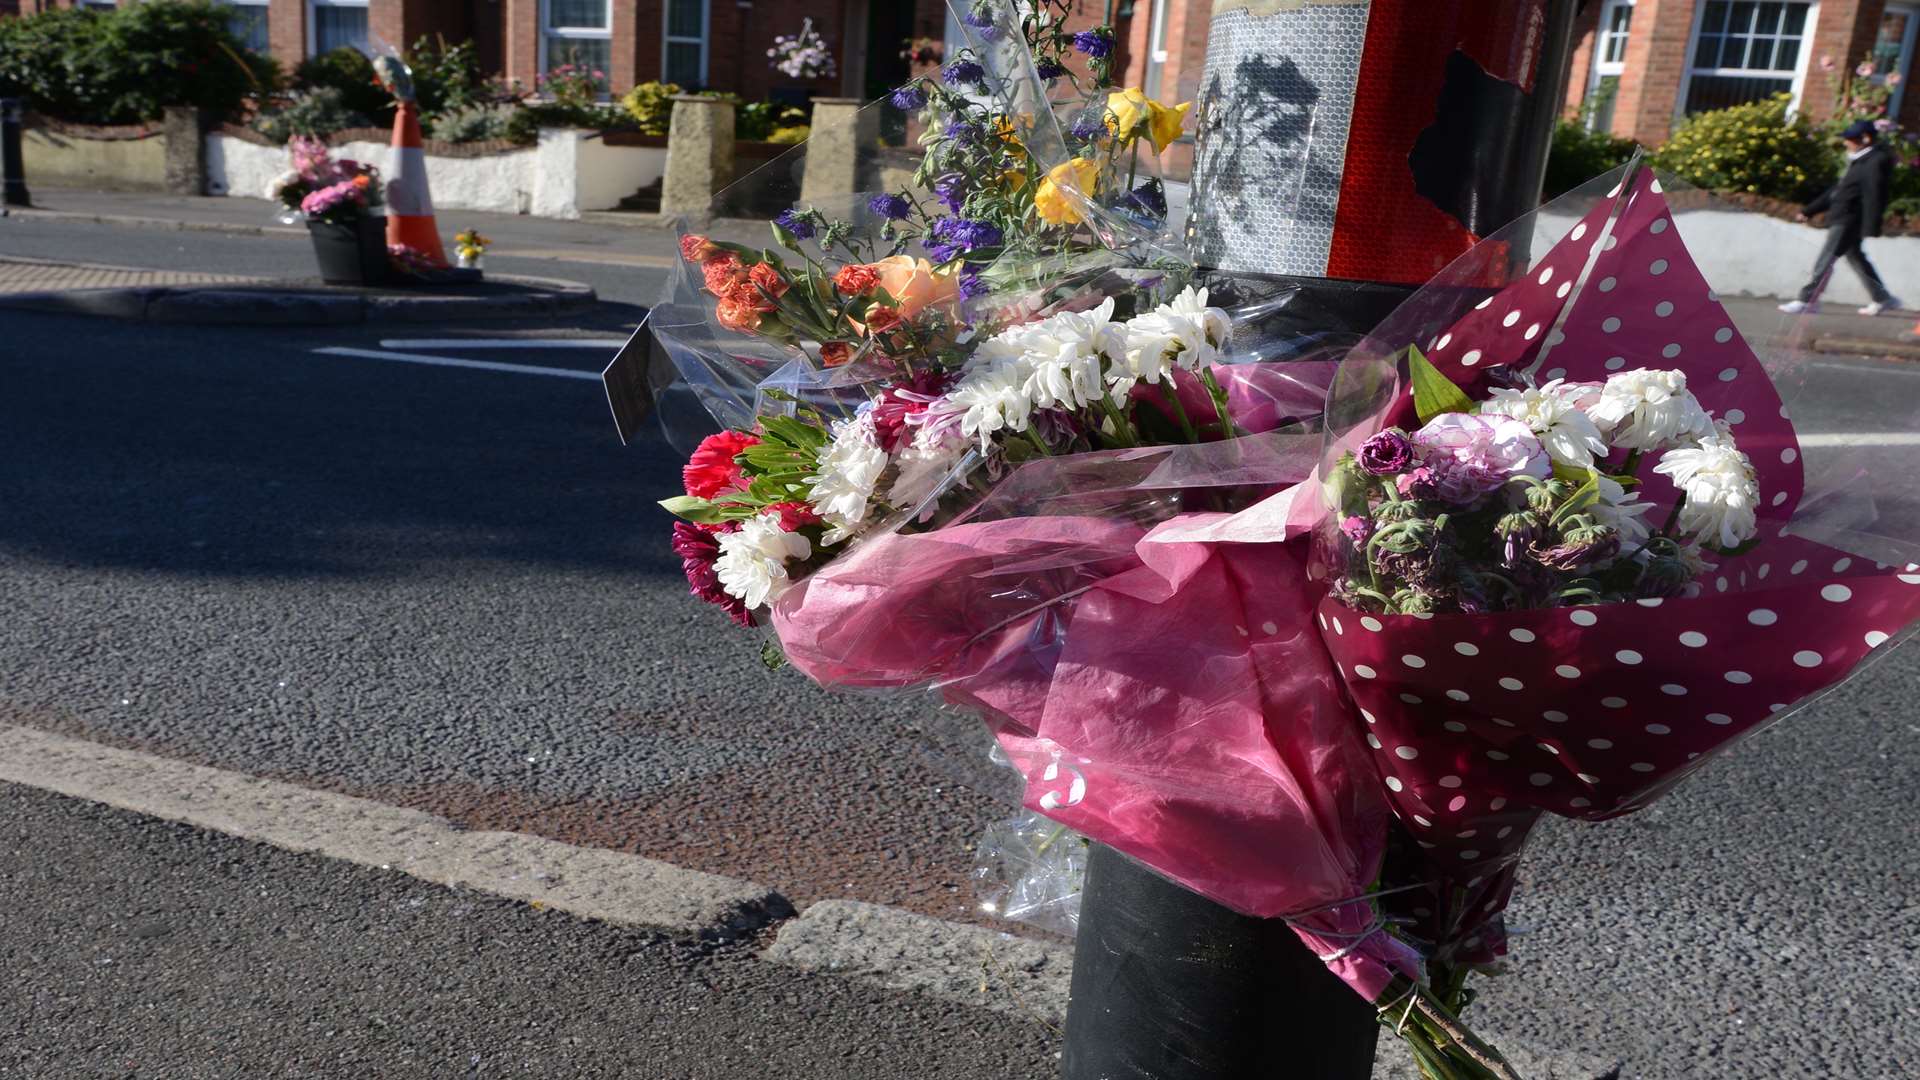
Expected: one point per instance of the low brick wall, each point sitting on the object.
(102, 158)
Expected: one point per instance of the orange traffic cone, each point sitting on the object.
(409, 200)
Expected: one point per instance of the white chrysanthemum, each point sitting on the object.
(993, 398)
(923, 465)
(1570, 436)
(1183, 333)
(1621, 510)
(753, 559)
(1647, 409)
(1723, 495)
(278, 185)
(849, 469)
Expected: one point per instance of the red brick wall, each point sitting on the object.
(1656, 65)
(287, 32)
(1843, 34)
(1586, 27)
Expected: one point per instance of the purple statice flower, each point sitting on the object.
(1357, 529)
(1097, 42)
(891, 207)
(982, 22)
(1088, 125)
(961, 133)
(972, 287)
(952, 191)
(1387, 453)
(908, 98)
(1049, 68)
(964, 73)
(951, 237)
(1149, 198)
(800, 227)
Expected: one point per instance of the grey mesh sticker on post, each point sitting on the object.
(1275, 104)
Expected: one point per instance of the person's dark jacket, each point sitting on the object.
(1859, 200)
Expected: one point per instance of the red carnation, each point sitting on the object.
(769, 280)
(835, 353)
(856, 279)
(698, 551)
(722, 273)
(794, 516)
(712, 469)
(698, 249)
(881, 319)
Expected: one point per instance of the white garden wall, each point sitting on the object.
(566, 173)
(1751, 254)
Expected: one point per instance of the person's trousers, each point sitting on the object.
(1844, 241)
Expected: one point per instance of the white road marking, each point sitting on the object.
(1863, 438)
(502, 343)
(594, 883)
(456, 362)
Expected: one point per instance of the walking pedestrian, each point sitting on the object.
(1854, 207)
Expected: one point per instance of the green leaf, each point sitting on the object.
(1584, 496)
(1434, 393)
(699, 511)
(784, 238)
(1567, 473)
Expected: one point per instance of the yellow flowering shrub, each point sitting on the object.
(1754, 148)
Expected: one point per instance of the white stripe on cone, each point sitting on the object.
(407, 191)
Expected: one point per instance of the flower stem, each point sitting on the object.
(1180, 411)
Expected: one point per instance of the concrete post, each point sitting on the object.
(184, 131)
(842, 135)
(699, 155)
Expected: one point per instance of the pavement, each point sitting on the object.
(413, 567)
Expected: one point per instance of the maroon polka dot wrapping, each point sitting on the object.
(1480, 723)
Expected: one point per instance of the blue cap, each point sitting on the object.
(1860, 131)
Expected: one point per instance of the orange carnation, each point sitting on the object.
(856, 279)
(768, 279)
(722, 273)
(737, 316)
(835, 353)
(697, 249)
(881, 319)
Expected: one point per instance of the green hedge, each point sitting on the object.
(126, 65)
(1755, 148)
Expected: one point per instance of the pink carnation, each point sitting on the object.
(1469, 457)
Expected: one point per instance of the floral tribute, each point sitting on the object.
(803, 55)
(319, 188)
(1318, 636)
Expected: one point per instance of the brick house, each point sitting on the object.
(710, 44)
(1641, 65)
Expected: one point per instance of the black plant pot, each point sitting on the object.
(351, 253)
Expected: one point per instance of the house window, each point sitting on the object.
(99, 5)
(685, 61)
(249, 23)
(337, 24)
(1609, 63)
(1893, 50)
(577, 32)
(1747, 50)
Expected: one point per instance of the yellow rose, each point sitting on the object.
(1131, 109)
(914, 283)
(1055, 200)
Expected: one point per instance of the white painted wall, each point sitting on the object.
(1750, 254)
(565, 173)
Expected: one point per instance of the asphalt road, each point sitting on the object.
(139, 949)
(449, 589)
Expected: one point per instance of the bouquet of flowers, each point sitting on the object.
(803, 55)
(1316, 632)
(319, 188)
(469, 247)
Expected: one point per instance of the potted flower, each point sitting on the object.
(338, 200)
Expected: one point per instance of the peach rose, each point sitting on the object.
(914, 284)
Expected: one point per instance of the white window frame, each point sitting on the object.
(1156, 49)
(574, 33)
(1602, 35)
(704, 41)
(1904, 66)
(313, 34)
(1799, 75)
